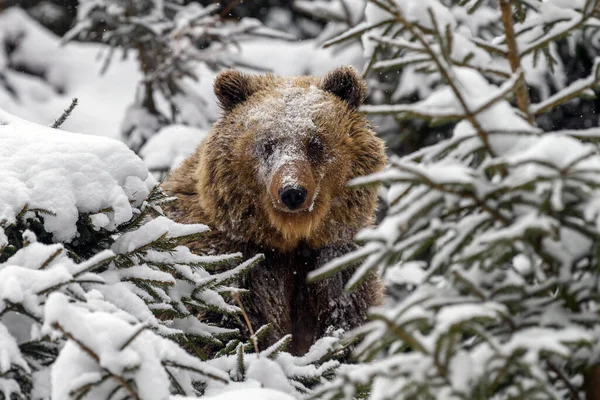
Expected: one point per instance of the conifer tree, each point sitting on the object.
(489, 247)
(404, 81)
(171, 42)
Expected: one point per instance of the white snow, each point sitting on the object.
(9, 352)
(269, 373)
(170, 146)
(101, 343)
(68, 71)
(66, 174)
(244, 394)
(160, 227)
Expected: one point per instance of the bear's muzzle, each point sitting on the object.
(292, 187)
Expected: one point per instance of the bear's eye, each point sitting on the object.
(315, 149)
(268, 148)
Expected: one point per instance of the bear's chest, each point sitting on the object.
(280, 295)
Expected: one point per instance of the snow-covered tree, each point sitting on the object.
(100, 298)
(489, 247)
(404, 80)
(170, 41)
(340, 15)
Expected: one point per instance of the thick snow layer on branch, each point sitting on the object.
(158, 228)
(66, 174)
(105, 345)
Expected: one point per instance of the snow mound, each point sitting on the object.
(65, 174)
(171, 146)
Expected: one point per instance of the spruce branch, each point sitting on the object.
(489, 47)
(466, 192)
(61, 120)
(122, 381)
(572, 91)
(141, 329)
(193, 369)
(416, 110)
(82, 391)
(573, 392)
(444, 70)
(51, 258)
(590, 7)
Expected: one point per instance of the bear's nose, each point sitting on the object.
(292, 196)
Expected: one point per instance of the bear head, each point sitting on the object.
(274, 169)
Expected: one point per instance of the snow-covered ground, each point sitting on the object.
(61, 73)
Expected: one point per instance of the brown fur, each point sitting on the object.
(219, 186)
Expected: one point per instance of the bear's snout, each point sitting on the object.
(292, 196)
(292, 187)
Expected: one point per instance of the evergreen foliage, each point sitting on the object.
(395, 79)
(136, 279)
(171, 41)
(489, 247)
(340, 15)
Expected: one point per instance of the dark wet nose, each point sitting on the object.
(292, 196)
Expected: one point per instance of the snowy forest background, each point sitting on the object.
(488, 225)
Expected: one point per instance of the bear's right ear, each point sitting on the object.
(232, 88)
(346, 84)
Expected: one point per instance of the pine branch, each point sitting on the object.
(589, 8)
(61, 120)
(95, 357)
(572, 91)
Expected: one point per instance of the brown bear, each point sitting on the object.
(271, 178)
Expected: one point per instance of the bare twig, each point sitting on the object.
(236, 296)
(514, 58)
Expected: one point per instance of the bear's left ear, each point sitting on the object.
(232, 88)
(347, 84)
